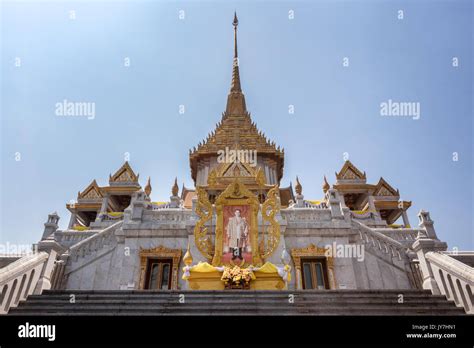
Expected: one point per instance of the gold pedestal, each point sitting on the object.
(211, 280)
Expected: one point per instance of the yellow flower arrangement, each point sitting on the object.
(235, 275)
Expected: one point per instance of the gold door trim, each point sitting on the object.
(312, 251)
(160, 252)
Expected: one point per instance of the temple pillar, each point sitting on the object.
(103, 208)
(72, 220)
(298, 278)
(372, 203)
(406, 222)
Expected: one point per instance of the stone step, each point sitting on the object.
(318, 302)
(264, 310)
(225, 294)
(234, 301)
(233, 292)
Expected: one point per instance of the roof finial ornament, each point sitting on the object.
(298, 187)
(148, 187)
(325, 185)
(175, 188)
(188, 257)
(235, 23)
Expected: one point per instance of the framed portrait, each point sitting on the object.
(237, 228)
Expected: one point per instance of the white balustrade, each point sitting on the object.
(18, 280)
(94, 242)
(381, 242)
(455, 279)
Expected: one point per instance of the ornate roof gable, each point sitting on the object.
(91, 192)
(350, 172)
(383, 188)
(125, 174)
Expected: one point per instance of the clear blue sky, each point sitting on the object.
(283, 62)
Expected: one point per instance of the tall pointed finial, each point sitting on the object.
(298, 187)
(175, 188)
(235, 23)
(235, 99)
(325, 185)
(188, 257)
(235, 87)
(148, 187)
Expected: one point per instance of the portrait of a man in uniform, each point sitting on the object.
(237, 233)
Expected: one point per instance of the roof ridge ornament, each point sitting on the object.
(236, 100)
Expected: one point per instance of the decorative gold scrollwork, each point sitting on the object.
(269, 209)
(271, 237)
(201, 237)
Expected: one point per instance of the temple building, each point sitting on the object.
(238, 229)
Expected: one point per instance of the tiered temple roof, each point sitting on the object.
(236, 128)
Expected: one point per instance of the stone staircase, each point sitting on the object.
(236, 302)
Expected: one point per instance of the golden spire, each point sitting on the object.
(236, 100)
(175, 188)
(148, 187)
(188, 258)
(298, 187)
(325, 185)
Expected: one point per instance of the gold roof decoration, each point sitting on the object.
(212, 178)
(326, 185)
(92, 191)
(350, 172)
(188, 258)
(175, 188)
(298, 187)
(236, 127)
(260, 177)
(383, 188)
(148, 187)
(124, 174)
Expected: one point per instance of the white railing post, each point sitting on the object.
(53, 249)
(421, 246)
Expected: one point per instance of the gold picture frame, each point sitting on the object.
(236, 194)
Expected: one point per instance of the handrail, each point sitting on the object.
(19, 279)
(396, 248)
(452, 265)
(455, 279)
(92, 238)
(83, 244)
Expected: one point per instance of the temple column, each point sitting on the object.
(372, 203)
(103, 208)
(72, 220)
(299, 285)
(406, 222)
